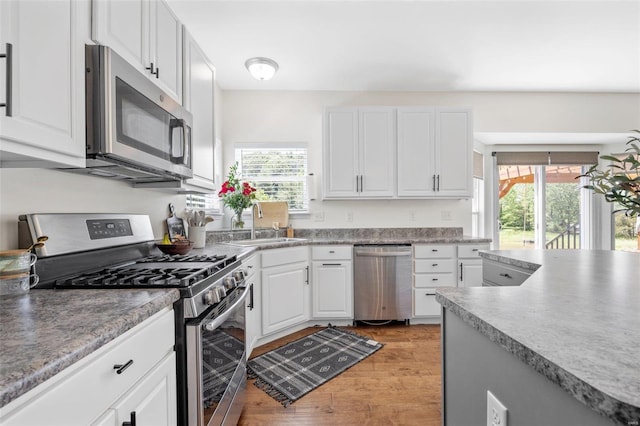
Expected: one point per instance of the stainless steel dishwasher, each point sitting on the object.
(382, 282)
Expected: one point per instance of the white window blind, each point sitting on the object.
(278, 170)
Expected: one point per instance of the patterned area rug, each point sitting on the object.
(295, 369)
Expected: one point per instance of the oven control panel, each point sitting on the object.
(108, 228)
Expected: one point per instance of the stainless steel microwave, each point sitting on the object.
(135, 131)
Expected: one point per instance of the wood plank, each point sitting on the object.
(398, 385)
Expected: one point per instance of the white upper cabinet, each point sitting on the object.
(359, 152)
(416, 140)
(43, 124)
(199, 79)
(454, 152)
(145, 33)
(435, 148)
(341, 153)
(404, 152)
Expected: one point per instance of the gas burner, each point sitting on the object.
(134, 277)
(182, 258)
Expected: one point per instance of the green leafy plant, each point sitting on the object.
(620, 182)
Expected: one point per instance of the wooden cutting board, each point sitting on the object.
(273, 211)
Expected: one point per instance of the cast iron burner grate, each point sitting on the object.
(182, 258)
(128, 277)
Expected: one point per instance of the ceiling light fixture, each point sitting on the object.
(261, 68)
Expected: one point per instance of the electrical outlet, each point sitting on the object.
(496, 412)
(318, 217)
(349, 216)
(446, 214)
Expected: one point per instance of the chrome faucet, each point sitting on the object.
(254, 207)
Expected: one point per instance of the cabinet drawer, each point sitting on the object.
(425, 304)
(435, 280)
(251, 265)
(332, 252)
(90, 386)
(471, 250)
(431, 251)
(435, 265)
(503, 275)
(284, 256)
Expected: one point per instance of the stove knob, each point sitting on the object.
(221, 293)
(239, 275)
(212, 297)
(229, 283)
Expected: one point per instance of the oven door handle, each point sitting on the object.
(212, 325)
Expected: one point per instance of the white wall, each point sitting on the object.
(53, 191)
(297, 116)
(264, 116)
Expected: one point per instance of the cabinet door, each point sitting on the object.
(198, 98)
(416, 133)
(341, 153)
(45, 127)
(253, 313)
(154, 398)
(123, 25)
(332, 289)
(470, 272)
(377, 152)
(454, 153)
(285, 296)
(165, 44)
(425, 304)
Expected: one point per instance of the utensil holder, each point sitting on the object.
(198, 236)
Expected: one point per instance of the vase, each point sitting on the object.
(236, 221)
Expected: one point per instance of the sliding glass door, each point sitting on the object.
(542, 203)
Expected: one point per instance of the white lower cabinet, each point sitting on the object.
(425, 302)
(253, 310)
(434, 265)
(332, 282)
(150, 402)
(470, 264)
(285, 288)
(92, 391)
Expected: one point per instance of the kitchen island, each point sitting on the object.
(562, 348)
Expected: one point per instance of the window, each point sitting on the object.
(541, 199)
(478, 194)
(210, 203)
(278, 171)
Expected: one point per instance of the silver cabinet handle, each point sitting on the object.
(307, 279)
(8, 55)
(506, 276)
(461, 279)
(332, 264)
(383, 253)
(431, 293)
(438, 182)
(434, 183)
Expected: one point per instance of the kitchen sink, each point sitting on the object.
(265, 241)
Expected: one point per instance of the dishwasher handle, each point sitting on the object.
(368, 253)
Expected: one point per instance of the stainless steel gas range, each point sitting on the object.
(116, 251)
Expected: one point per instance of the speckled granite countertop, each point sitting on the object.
(46, 331)
(576, 320)
(353, 236)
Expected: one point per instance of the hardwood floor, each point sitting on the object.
(398, 385)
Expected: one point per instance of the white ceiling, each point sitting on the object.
(422, 45)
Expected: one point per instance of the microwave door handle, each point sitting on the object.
(184, 140)
(173, 124)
